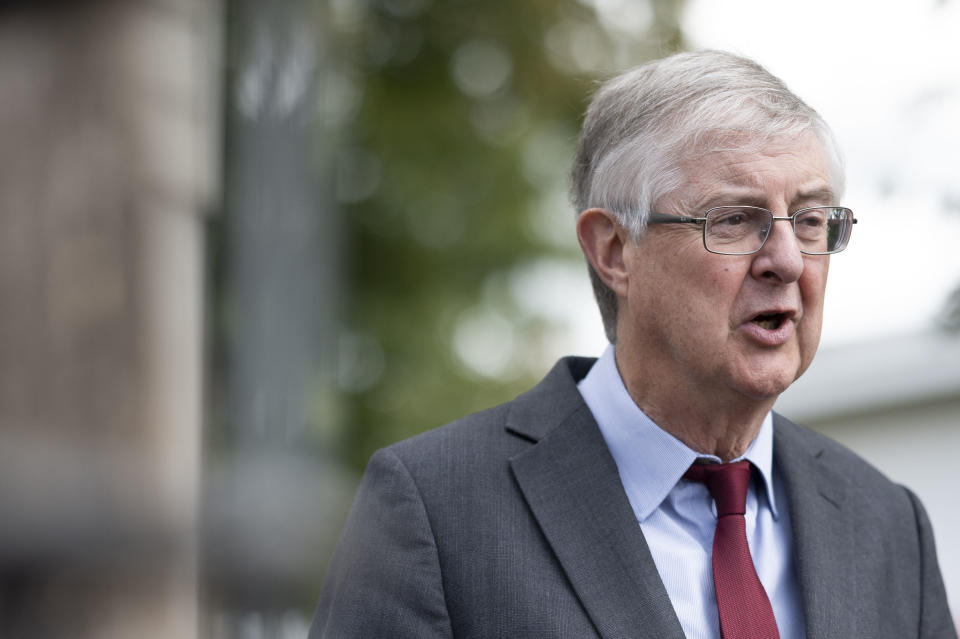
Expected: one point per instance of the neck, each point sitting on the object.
(718, 423)
(727, 435)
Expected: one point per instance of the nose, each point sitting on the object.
(780, 258)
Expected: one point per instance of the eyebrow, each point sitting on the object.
(749, 197)
(819, 195)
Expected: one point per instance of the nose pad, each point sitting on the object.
(780, 257)
(764, 234)
(784, 232)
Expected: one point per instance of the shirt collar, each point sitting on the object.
(650, 460)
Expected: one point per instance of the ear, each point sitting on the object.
(602, 240)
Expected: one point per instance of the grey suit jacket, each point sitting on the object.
(513, 523)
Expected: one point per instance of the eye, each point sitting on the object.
(731, 218)
(813, 219)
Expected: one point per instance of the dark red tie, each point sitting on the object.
(745, 611)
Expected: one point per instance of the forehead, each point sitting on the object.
(780, 170)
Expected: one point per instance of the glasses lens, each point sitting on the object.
(736, 229)
(823, 229)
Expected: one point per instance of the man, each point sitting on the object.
(653, 493)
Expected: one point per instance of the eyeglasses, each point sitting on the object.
(742, 230)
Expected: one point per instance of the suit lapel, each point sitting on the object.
(822, 534)
(571, 484)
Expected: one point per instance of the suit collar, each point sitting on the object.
(534, 413)
(650, 460)
(823, 536)
(571, 485)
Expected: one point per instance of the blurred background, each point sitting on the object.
(243, 244)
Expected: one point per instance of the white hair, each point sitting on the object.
(641, 125)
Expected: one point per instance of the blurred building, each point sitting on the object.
(109, 125)
(896, 402)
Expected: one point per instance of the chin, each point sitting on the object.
(764, 392)
(764, 383)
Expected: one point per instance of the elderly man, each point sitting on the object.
(653, 492)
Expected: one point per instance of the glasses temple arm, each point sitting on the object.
(660, 218)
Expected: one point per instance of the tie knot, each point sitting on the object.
(727, 484)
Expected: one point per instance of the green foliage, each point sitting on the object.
(465, 128)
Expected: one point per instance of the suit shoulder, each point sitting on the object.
(476, 429)
(499, 432)
(842, 461)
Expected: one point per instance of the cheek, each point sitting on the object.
(719, 287)
(813, 285)
(726, 277)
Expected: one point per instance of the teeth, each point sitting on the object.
(769, 322)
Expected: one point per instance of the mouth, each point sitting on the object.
(771, 321)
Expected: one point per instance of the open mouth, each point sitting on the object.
(770, 321)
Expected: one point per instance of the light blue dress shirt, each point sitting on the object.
(678, 517)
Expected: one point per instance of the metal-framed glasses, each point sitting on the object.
(742, 230)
